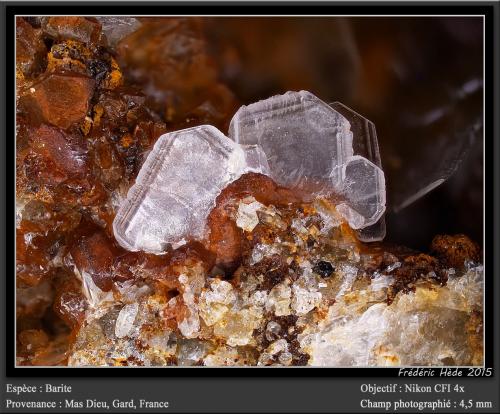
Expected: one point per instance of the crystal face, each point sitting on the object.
(298, 140)
(310, 146)
(365, 143)
(304, 140)
(177, 186)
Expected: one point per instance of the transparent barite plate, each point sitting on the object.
(305, 141)
(310, 146)
(177, 186)
(365, 143)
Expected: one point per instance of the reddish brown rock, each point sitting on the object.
(55, 353)
(147, 132)
(414, 268)
(83, 29)
(55, 167)
(69, 303)
(34, 256)
(454, 251)
(55, 157)
(95, 255)
(39, 217)
(62, 99)
(169, 59)
(30, 49)
(108, 166)
(32, 340)
(164, 269)
(123, 119)
(226, 239)
(41, 238)
(69, 56)
(32, 302)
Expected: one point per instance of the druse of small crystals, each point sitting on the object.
(261, 272)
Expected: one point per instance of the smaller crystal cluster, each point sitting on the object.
(298, 140)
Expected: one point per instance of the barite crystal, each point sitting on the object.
(177, 186)
(310, 147)
(298, 140)
(365, 144)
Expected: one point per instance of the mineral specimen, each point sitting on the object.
(306, 293)
(279, 275)
(116, 28)
(365, 144)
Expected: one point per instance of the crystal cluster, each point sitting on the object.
(177, 186)
(296, 139)
(310, 146)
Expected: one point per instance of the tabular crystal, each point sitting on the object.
(364, 143)
(304, 140)
(177, 186)
(309, 146)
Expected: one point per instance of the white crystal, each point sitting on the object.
(279, 299)
(309, 147)
(125, 319)
(305, 294)
(216, 302)
(246, 217)
(364, 189)
(272, 330)
(177, 186)
(263, 250)
(365, 144)
(94, 295)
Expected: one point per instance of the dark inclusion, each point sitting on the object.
(324, 269)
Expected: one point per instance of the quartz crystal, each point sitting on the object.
(177, 186)
(310, 147)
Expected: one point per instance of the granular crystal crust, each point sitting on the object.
(306, 293)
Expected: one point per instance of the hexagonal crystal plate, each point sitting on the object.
(305, 141)
(177, 186)
(309, 146)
